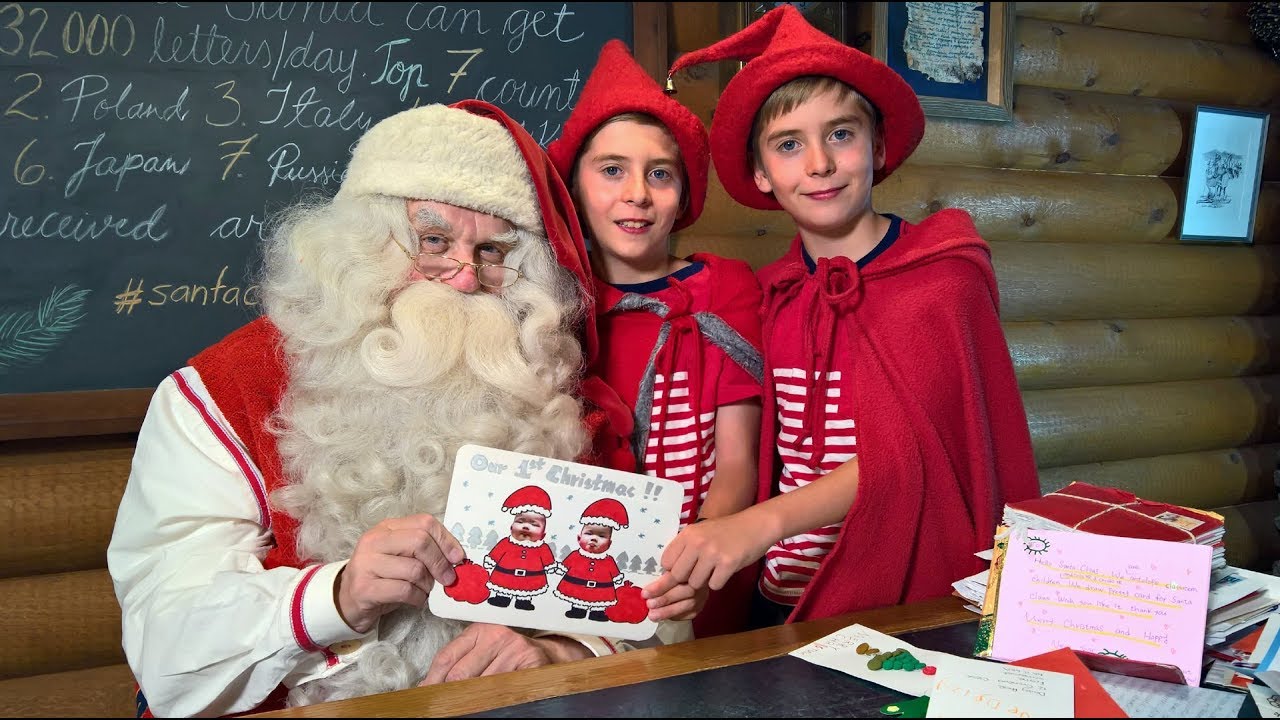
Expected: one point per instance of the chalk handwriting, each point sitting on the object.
(57, 224)
(316, 12)
(119, 107)
(119, 166)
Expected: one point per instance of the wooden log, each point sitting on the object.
(106, 691)
(1059, 281)
(1084, 353)
(1199, 479)
(1218, 21)
(1076, 57)
(1035, 206)
(57, 623)
(1061, 130)
(1005, 205)
(60, 503)
(1252, 541)
(1100, 424)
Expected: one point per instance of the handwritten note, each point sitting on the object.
(944, 40)
(1143, 600)
(974, 688)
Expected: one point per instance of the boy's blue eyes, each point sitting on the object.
(839, 135)
(660, 174)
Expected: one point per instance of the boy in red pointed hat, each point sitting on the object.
(889, 392)
(679, 336)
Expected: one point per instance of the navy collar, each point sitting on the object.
(890, 236)
(652, 286)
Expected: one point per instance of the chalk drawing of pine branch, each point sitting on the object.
(26, 335)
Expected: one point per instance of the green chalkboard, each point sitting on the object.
(144, 145)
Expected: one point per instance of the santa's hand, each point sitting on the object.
(394, 564)
(708, 553)
(484, 649)
(681, 602)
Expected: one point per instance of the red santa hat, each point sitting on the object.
(782, 46)
(619, 85)
(529, 498)
(607, 512)
(472, 155)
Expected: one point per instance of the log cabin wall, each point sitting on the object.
(1144, 363)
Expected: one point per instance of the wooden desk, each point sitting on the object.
(488, 693)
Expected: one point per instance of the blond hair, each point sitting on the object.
(796, 92)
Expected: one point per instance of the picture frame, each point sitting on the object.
(829, 17)
(1224, 175)
(958, 57)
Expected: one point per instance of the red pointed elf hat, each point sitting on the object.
(782, 46)
(619, 85)
(529, 498)
(607, 512)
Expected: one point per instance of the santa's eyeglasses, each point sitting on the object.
(437, 266)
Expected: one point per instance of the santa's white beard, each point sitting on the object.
(368, 431)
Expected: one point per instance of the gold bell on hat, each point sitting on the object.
(670, 89)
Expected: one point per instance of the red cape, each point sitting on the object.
(942, 435)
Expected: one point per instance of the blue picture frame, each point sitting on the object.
(980, 85)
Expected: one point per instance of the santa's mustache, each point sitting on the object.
(433, 328)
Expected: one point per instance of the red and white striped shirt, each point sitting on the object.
(791, 563)
(679, 438)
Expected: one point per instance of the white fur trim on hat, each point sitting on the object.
(605, 521)
(545, 512)
(449, 155)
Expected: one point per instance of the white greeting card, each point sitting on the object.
(554, 545)
(982, 689)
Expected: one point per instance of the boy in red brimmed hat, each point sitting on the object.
(679, 337)
(890, 396)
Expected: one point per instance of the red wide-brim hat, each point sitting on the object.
(780, 47)
(619, 85)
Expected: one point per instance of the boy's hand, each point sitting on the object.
(708, 553)
(681, 602)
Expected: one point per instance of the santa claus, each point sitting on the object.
(590, 573)
(518, 565)
(280, 529)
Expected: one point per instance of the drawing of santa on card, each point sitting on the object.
(554, 545)
(590, 573)
(518, 565)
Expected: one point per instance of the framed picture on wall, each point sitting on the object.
(829, 17)
(957, 56)
(1224, 174)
